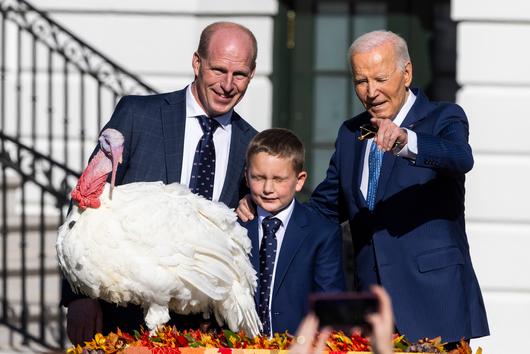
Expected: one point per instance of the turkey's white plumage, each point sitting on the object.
(161, 246)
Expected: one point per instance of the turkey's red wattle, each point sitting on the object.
(92, 182)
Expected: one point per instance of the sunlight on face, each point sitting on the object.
(379, 83)
(223, 77)
(273, 181)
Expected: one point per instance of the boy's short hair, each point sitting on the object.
(278, 142)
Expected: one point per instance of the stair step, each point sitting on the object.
(13, 179)
(51, 312)
(33, 221)
(11, 342)
(31, 250)
(52, 288)
(32, 198)
(32, 272)
(12, 183)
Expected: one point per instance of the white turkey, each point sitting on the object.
(159, 246)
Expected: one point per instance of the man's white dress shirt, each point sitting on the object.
(410, 150)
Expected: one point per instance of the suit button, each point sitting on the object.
(375, 268)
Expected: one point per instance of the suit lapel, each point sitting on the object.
(360, 152)
(253, 234)
(418, 111)
(236, 159)
(356, 164)
(295, 234)
(173, 126)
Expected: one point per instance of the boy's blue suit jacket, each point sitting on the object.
(310, 260)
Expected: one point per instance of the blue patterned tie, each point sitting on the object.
(267, 257)
(203, 170)
(375, 158)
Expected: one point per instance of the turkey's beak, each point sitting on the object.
(117, 153)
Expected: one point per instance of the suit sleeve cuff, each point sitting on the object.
(410, 150)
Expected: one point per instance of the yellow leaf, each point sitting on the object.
(99, 339)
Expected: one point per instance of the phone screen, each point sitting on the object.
(343, 311)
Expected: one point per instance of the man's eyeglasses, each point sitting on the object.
(368, 131)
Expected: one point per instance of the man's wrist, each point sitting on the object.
(401, 141)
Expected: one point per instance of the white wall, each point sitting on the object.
(493, 70)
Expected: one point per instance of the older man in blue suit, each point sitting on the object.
(167, 135)
(397, 175)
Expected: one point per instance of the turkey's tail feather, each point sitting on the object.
(239, 312)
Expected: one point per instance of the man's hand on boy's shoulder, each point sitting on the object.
(246, 210)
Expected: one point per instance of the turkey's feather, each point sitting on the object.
(160, 245)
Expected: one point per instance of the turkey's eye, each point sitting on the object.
(104, 144)
(71, 224)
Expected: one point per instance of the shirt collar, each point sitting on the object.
(411, 98)
(283, 215)
(193, 110)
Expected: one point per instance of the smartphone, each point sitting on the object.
(344, 311)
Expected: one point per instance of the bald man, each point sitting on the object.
(162, 135)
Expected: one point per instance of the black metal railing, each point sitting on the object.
(55, 90)
(33, 204)
(55, 87)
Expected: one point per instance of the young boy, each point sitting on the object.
(294, 250)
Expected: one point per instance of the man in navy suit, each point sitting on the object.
(162, 133)
(402, 191)
(305, 253)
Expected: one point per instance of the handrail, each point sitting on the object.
(40, 174)
(84, 56)
(38, 155)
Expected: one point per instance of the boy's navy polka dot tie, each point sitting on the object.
(203, 170)
(267, 257)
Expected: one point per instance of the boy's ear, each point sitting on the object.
(302, 176)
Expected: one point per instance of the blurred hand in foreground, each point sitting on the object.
(382, 323)
(305, 335)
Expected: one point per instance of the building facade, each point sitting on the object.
(473, 52)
